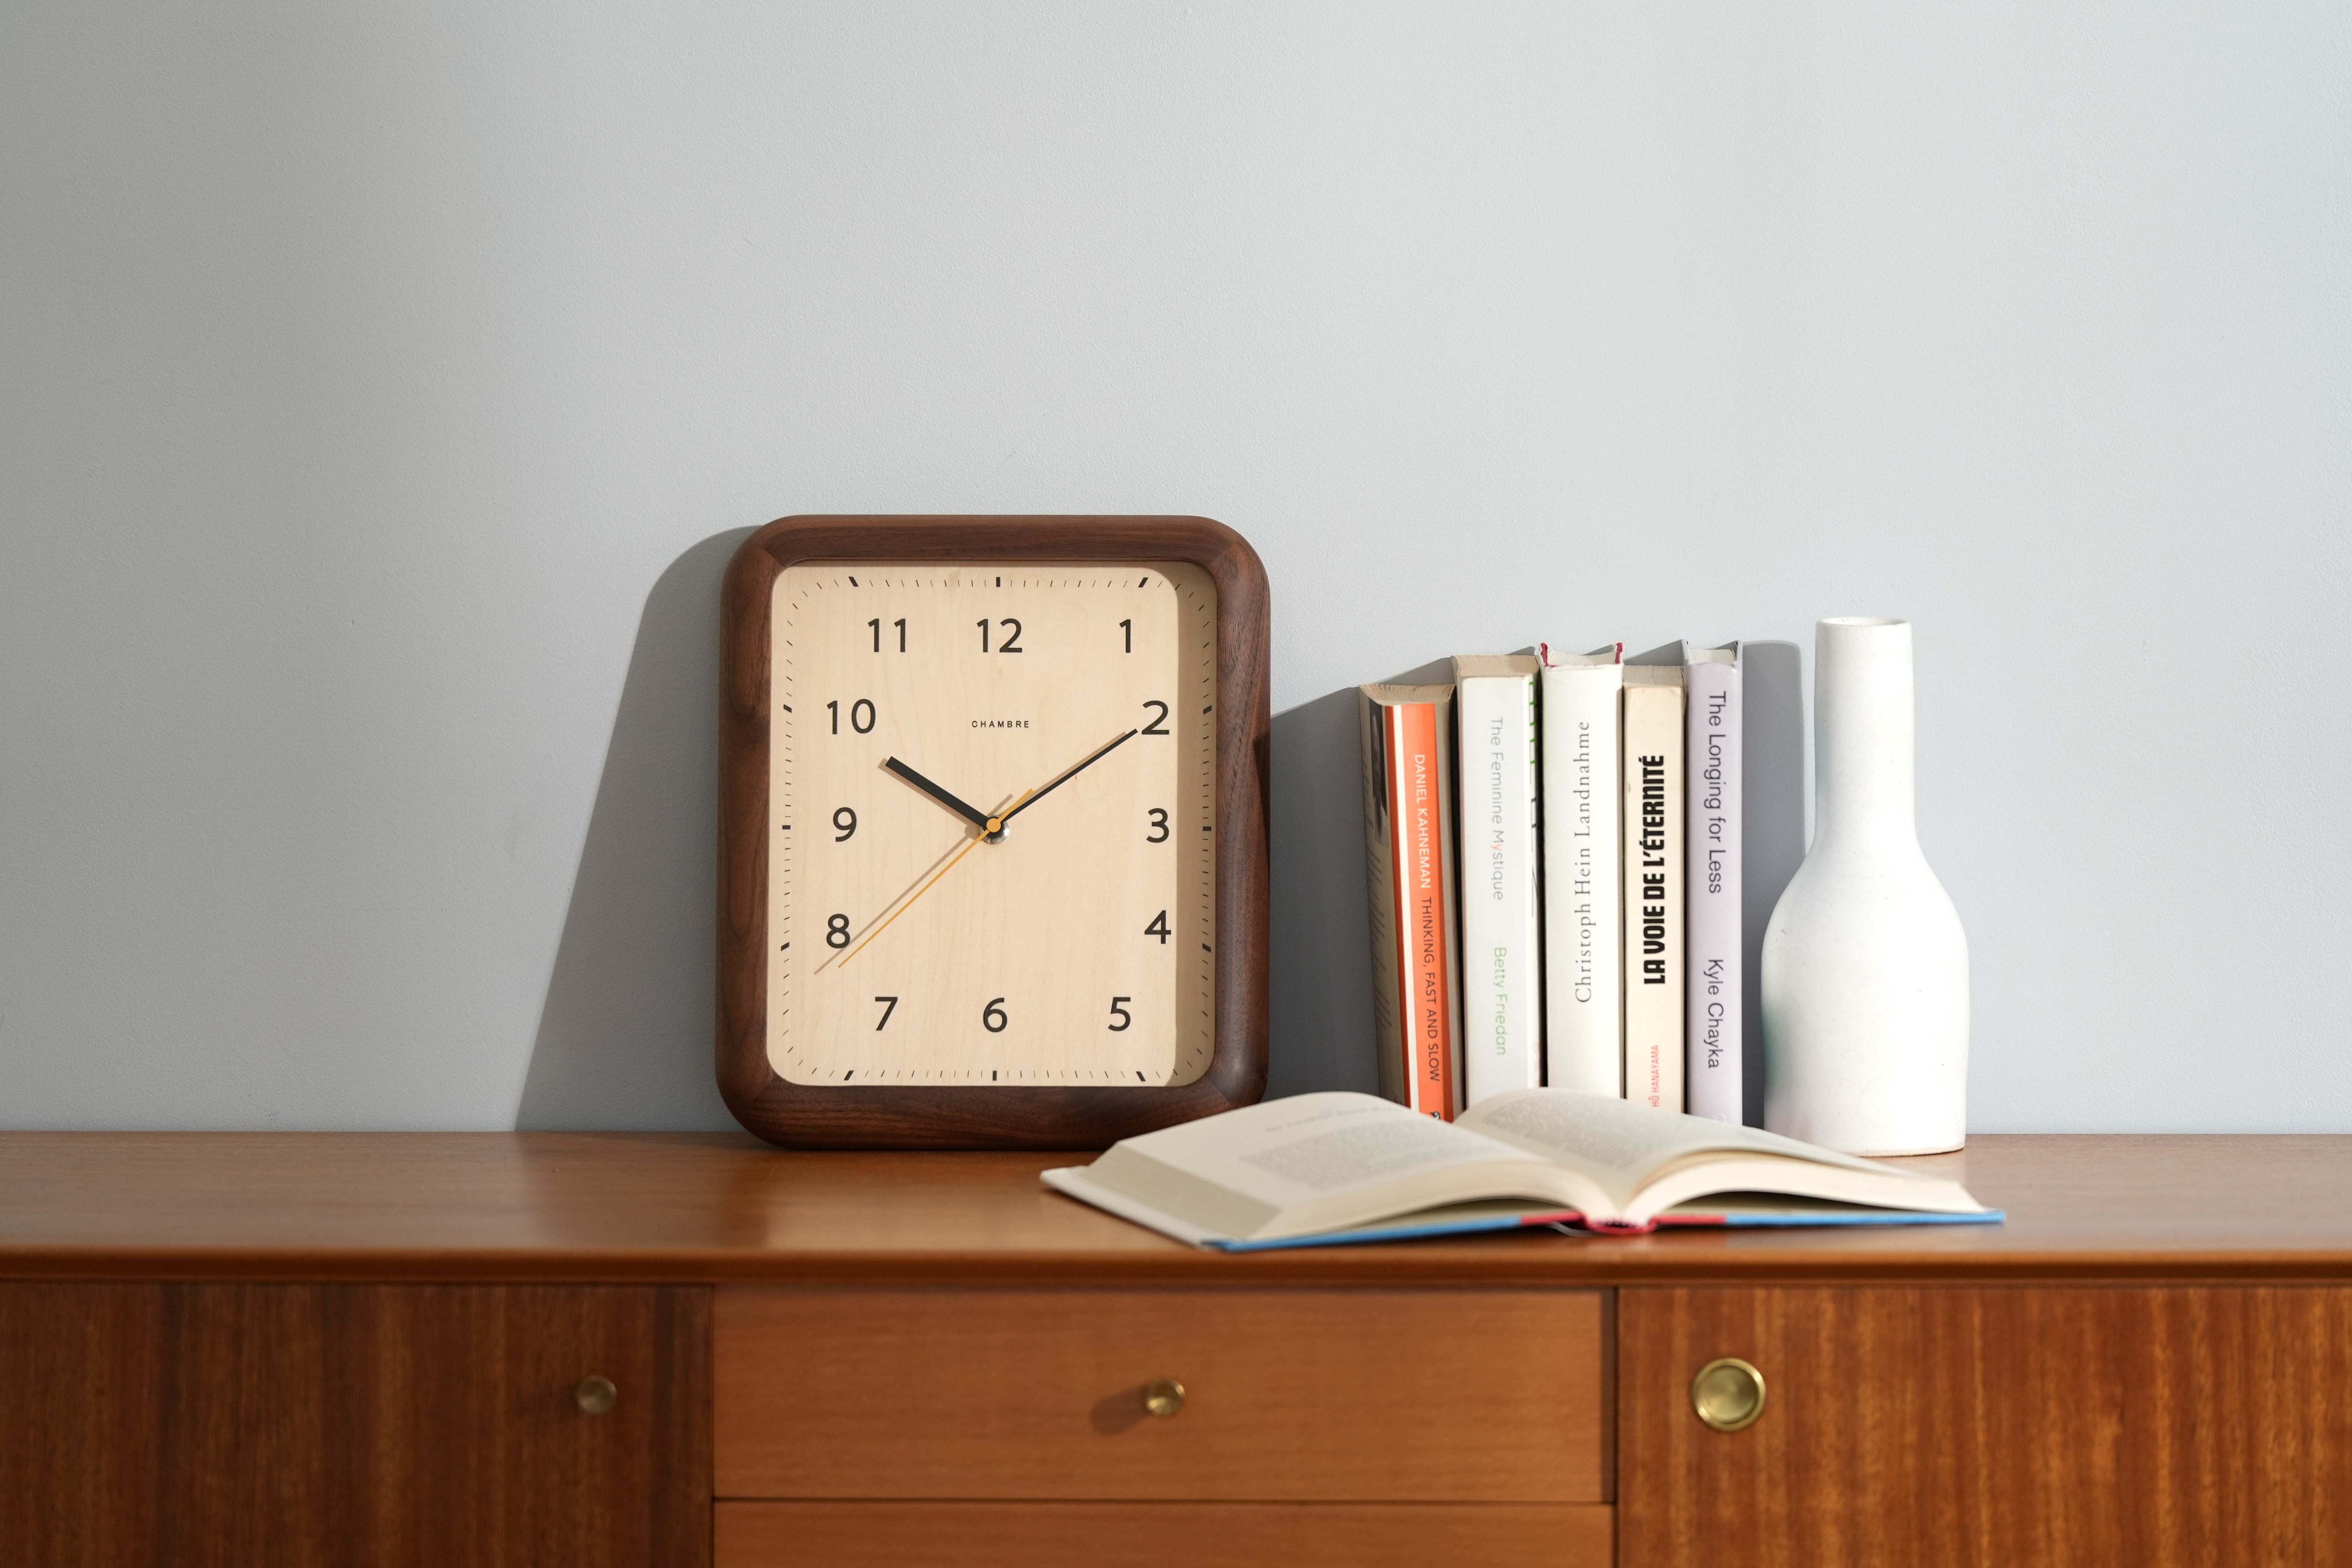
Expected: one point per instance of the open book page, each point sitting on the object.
(1629, 1141)
(1648, 1160)
(1318, 1161)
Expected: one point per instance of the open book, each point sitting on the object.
(1326, 1168)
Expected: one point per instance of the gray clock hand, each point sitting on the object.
(972, 814)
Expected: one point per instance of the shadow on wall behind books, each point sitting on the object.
(1321, 958)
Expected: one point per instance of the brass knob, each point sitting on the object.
(596, 1395)
(1728, 1394)
(1163, 1396)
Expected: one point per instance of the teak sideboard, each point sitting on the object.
(605, 1349)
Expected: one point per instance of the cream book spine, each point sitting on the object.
(1653, 774)
(1494, 786)
(1712, 960)
(1584, 974)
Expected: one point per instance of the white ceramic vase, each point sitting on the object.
(1865, 968)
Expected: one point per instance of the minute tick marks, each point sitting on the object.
(1037, 922)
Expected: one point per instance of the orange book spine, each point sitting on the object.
(1419, 854)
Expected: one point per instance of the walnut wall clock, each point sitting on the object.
(993, 865)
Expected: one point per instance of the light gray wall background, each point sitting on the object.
(385, 385)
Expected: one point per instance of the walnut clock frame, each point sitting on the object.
(964, 1117)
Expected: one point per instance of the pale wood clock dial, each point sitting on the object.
(1070, 705)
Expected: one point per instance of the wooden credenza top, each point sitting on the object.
(686, 1207)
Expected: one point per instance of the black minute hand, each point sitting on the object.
(1066, 777)
(977, 817)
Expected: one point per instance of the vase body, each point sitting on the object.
(1865, 968)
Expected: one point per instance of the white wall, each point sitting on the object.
(384, 386)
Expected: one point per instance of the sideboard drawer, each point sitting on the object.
(354, 1426)
(1992, 1426)
(1287, 1395)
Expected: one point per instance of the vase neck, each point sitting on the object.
(1862, 736)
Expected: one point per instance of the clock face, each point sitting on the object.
(1070, 707)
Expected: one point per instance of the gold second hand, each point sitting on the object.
(927, 887)
(989, 829)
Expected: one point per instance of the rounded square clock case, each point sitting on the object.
(845, 1115)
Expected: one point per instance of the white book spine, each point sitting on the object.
(1655, 887)
(1502, 998)
(1584, 979)
(1713, 934)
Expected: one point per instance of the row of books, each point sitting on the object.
(1554, 854)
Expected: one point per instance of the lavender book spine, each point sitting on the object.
(1712, 1018)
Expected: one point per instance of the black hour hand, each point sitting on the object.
(972, 814)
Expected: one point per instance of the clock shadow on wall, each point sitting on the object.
(624, 1036)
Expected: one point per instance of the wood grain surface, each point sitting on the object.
(827, 1116)
(1991, 1426)
(1365, 1396)
(721, 1206)
(293, 1425)
(1053, 920)
(1158, 1535)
